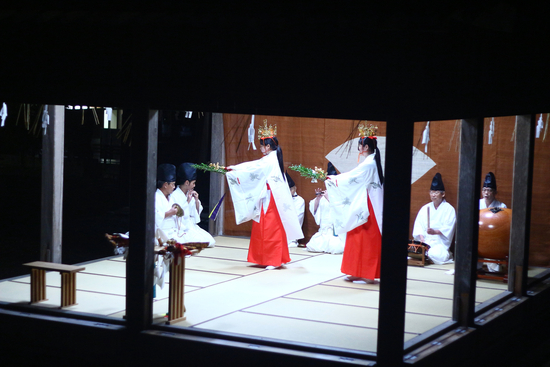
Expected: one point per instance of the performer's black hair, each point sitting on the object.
(159, 184)
(274, 145)
(373, 146)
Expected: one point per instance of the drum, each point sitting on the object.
(415, 247)
(494, 233)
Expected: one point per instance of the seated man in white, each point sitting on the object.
(488, 200)
(299, 204)
(168, 219)
(435, 224)
(188, 199)
(325, 240)
(168, 224)
(489, 192)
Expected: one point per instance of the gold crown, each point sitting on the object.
(267, 131)
(367, 130)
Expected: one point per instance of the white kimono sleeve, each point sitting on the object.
(316, 216)
(300, 205)
(348, 195)
(195, 216)
(247, 184)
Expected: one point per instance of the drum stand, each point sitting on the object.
(501, 276)
(418, 259)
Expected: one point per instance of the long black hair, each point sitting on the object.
(274, 145)
(373, 146)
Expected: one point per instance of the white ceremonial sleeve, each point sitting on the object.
(247, 184)
(195, 216)
(447, 222)
(316, 216)
(283, 199)
(421, 223)
(300, 205)
(160, 207)
(348, 195)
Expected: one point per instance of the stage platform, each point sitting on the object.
(307, 301)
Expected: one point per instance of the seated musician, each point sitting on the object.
(435, 224)
(488, 200)
(186, 196)
(489, 192)
(168, 222)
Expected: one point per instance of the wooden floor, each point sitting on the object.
(308, 301)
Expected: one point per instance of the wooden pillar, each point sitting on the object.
(217, 181)
(143, 176)
(395, 235)
(52, 185)
(467, 224)
(176, 306)
(521, 204)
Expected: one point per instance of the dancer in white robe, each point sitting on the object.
(188, 199)
(260, 193)
(325, 240)
(356, 203)
(435, 224)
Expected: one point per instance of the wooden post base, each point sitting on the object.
(176, 308)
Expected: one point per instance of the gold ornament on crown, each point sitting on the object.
(367, 130)
(267, 131)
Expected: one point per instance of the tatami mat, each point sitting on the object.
(429, 306)
(302, 331)
(306, 301)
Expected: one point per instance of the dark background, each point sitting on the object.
(95, 193)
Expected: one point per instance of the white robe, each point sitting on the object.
(348, 196)
(300, 205)
(325, 240)
(444, 219)
(191, 218)
(168, 228)
(165, 229)
(247, 184)
(494, 204)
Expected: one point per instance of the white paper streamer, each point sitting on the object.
(3, 114)
(546, 127)
(251, 133)
(491, 130)
(426, 137)
(188, 114)
(45, 119)
(540, 126)
(109, 111)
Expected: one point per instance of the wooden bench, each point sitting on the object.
(68, 281)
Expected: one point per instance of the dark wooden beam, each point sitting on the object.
(467, 226)
(143, 174)
(521, 204)
(395, 234)
(52, 185)
(217, 182)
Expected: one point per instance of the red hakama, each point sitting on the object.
(268, 242)
(363, 249)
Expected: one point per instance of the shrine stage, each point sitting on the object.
(307, 301)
